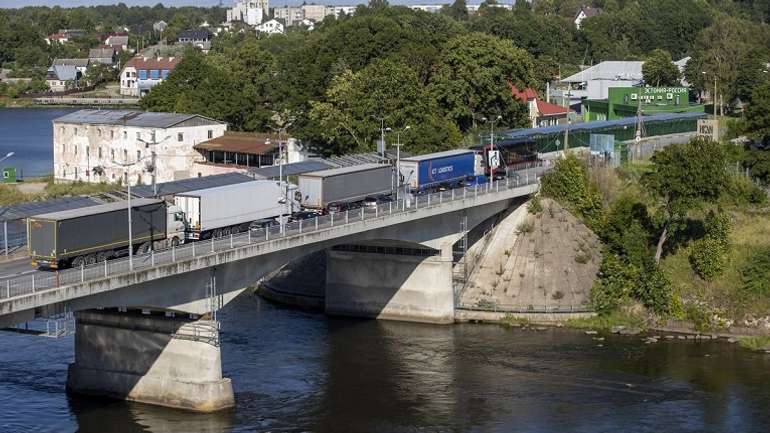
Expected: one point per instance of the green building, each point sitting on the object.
(625, 101)
(9, 175)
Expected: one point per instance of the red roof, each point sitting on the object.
(548, 109)
(168, 63)
(523, 95)
(57, 36)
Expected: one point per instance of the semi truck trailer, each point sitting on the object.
(229, 209)
(346, 185)
(96, 233)
(434, 169)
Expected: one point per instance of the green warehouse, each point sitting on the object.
(625, 101)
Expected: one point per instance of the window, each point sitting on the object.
(64, 172)
(112, 154)
(125, 155)
(180, 137)
(100, 153)
(112, 135)
(154, 74)
(99, 132)
(211, 133)
(142, 74)
(88, 151)
(128, 74)
(125, 135)
(76, 149)
(63, 148)
(138, 155)
(138, 135)
(62, 130)
(76, 131)
(164, 74)
(76, 172)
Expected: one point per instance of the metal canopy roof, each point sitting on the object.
(26, 210)
(344, 170)
(191, 184)
(102, 208)
(292, 169)
(436, 155)
(143, 119)
(520, 135)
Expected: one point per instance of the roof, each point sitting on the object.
(191, 184)
(589, 11)
(241, 142)
(101, 53)
(608, 70)
(62, 73)
(143, 119)
(436, 155)
(117, 39)
(292, 169)
(521, 135)
(360, 158)
(243, 186)
(523, 95)
(344, 170)
(548, 109)
(96, 209)
(196, 34)
(80, 63)
(25, 210)
(167, 63)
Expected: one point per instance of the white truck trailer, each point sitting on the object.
(230, 209)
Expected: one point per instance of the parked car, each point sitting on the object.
(303, 215)
(262, 224)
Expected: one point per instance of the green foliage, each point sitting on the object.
(625, 230)
(707, 258)
(535, 206)
(758, 343)
(654, 290)
(568, 184)
(607, 320)
(758, 163)
(758, 115)
(755, 273)
(615, 285)
(659, 71)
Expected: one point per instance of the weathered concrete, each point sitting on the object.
(154, 359)
(390, 286)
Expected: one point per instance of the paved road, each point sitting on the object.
(15, 268)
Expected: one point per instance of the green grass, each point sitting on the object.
(755, 343)
(10, 194)
(604, 322)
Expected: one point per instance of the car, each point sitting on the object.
(263, 224)
(338, 207)
(371, 202)
(303, 215)
(499, 175)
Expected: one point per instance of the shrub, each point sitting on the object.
(535, 206)
(615, 284)
(755, 273)
(527, 226)
(707, 258)
(568, 184)
(654, 290)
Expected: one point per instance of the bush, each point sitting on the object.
(568, 184)
(535, 206)
(707, 258)
(755, 274)
(615, 284)
(654, 290)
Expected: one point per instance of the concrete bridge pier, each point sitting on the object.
(154, 358)
(403, 281)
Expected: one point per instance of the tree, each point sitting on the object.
(457, 10)
(474, 76)
(682, 178)
(758, 113)
(659, 70)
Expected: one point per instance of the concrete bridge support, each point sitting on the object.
(397, 282)
(149, 358)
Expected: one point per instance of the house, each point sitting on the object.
(249, 12)
(628, 101)
(199, 38)
(103, 55)
(64, 36)
(541, 113)
(141, 74)
(593, 82)
(80, 64)
(118, 41)
(61, 78)
(88, 142)
(585, 12)
(159, 26)
(270, 27)
(238, 152)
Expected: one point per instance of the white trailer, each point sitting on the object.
(228, 209)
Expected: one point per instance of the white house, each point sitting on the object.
(247, 11)
(593, 82)
(141, 74)
(271, 27)
(585, 12)
(91, 145)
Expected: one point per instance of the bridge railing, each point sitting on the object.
(39, 281)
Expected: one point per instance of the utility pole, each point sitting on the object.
(382, 136)
(154, 161)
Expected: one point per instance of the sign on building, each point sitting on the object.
(709, 128)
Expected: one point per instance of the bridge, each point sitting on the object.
(146, 328)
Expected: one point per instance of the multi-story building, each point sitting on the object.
(94, 145)
(199, 38)
(314, 12)
(248, 11)
(290, 15)
(141, 74)
(340, 10)
(271, 27)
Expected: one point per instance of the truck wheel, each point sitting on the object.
(175, 241)
(90, 259)
(101, 257)
(236, 230)
(78, 262)
(218, 233)
(144, 248)
(226, 232)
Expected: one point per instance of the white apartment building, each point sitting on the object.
(93, 145)
(272, 27)
(140, 74)
(248, 11)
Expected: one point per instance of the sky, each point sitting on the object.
(74, 3)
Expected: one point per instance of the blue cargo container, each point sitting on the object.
(426, 171)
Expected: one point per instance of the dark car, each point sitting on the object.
(303, 215)
(263, 224)
(499, 175)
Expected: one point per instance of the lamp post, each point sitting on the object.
(284, 186)
(398, 157)
(154, 157)
(5, 222)
(491, 139)
(126, 166)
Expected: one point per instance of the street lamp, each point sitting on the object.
(7, 155)
(126, 165)
(153, 164)
(491, 139)
(284, 186)
(398, 157)
(714, 96)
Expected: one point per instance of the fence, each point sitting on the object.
(94, 271)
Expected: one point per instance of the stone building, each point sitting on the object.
(93, 145)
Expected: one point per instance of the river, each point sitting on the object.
(296, 371)
(28, 133)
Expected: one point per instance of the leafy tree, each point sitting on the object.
(473, 79)
(755, 273)
(682, 178)
(708, 255)
(568, 183)
(659, 70)
(100, 73)
(758, 121)
(457, 10)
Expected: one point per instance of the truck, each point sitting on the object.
(448, 168)
(230, 209)
(92, 234)
(338, 188)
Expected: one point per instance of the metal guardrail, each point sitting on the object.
(39, 281)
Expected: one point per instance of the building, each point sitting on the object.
(271, 27)
(289, 15)
(585, 12)
(338, 11)
(249, 12)
(627, 101)
(199, 38)
(61, 78)
(89, 145)
(65, 35)
(541, 113)
(593, 82)
(314, 12)
(80, 64)
(104, 55)
(141, 74)
(118, 41)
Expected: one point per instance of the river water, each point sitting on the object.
(28, 132)
(296, 371)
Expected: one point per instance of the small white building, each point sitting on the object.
(271, 27)
(594, 82)
(140, 74)
(247, 11)
(585, 12)
(90, 145)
